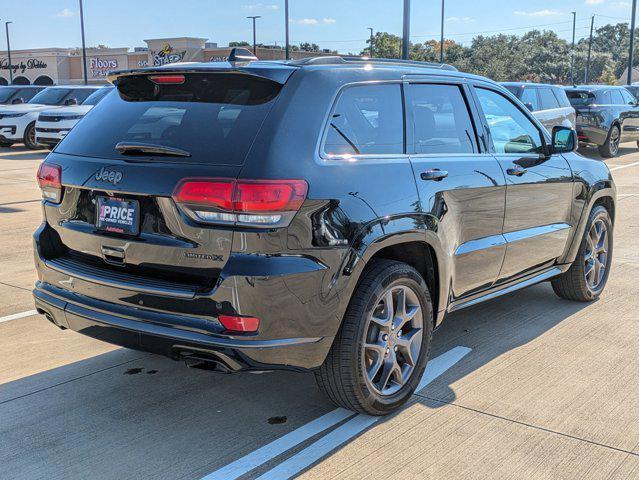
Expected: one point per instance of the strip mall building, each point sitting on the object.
(61, 66)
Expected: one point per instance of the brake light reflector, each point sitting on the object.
(248, 202)
(167, 79)
(236, 323)
(50, 181)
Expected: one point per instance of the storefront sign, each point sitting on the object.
(167, 55)
(100, 67)
(22, 65)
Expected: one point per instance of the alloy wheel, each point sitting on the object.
(615, 137)
(393, 340)
(596, 254)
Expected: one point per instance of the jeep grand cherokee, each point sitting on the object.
(322, 214)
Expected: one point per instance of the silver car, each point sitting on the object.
(548, 103)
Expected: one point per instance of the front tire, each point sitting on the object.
(29, 137)
(588, 274)
(610, 148)
(380, 353)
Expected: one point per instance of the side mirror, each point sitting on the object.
(70, 102)
(529, 106)
(16, 101)
(564, 140)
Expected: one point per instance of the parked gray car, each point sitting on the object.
(548, 103)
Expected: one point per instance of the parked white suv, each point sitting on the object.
(17, 122)
(53, 125)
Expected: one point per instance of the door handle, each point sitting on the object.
(516, 171)
(434, 174)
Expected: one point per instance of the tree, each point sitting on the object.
(239, 44)
(309, 47)
(608, 77)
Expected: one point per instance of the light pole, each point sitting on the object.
(254, 17)
(6, 27)
(632, 41)
(572, 58)
(371, 49)
(287, 47)
(406, 32)
(441, 44)
(586, 74)
(84, 49)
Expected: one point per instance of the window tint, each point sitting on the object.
(367, 119)
(7, 93)
(617, 98)
(510, 129)
(50, 96)
(634, 91)
(529, 98)
(214, 117)
(580, 98)
(441, 122)
(98, 95)
(603, 97)
(548, 100)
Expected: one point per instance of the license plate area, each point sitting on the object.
(118, 215)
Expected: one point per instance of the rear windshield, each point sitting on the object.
(580, 98)
(214, 117)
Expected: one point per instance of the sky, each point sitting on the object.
(336, 24)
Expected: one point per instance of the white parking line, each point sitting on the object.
(16, 316)
(279, 446)
(328, 443)
(624, 166)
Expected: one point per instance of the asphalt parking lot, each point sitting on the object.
(527, 386)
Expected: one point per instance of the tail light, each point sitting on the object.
(235, 323)
(50, 181)
(260, 203)
(167, 79)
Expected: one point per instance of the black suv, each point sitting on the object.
(322, 214)
(606, 116)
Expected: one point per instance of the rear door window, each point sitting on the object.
(548, 100)
(529, 98)
(617, 98)
(213, 117)
(441, 120)
(561, 97)
(366, 120)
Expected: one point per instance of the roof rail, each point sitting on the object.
(345, 59)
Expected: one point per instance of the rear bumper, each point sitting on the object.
(297, 322)
(591, 135)
(178, 343)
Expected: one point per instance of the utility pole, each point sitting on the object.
(6, 27)
(371, 49)
(632, 41)
(287, 48)
(441, 43)
(254, 17)
(406, 33)
(592, 26)
(84, 48)
(572, 58)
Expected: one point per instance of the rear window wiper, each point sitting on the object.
(141, 148)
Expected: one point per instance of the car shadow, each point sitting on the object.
(624, 149)
(127, 414)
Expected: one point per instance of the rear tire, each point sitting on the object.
(588, 274)
(381, 350)
(29, 137)
(610, 148)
